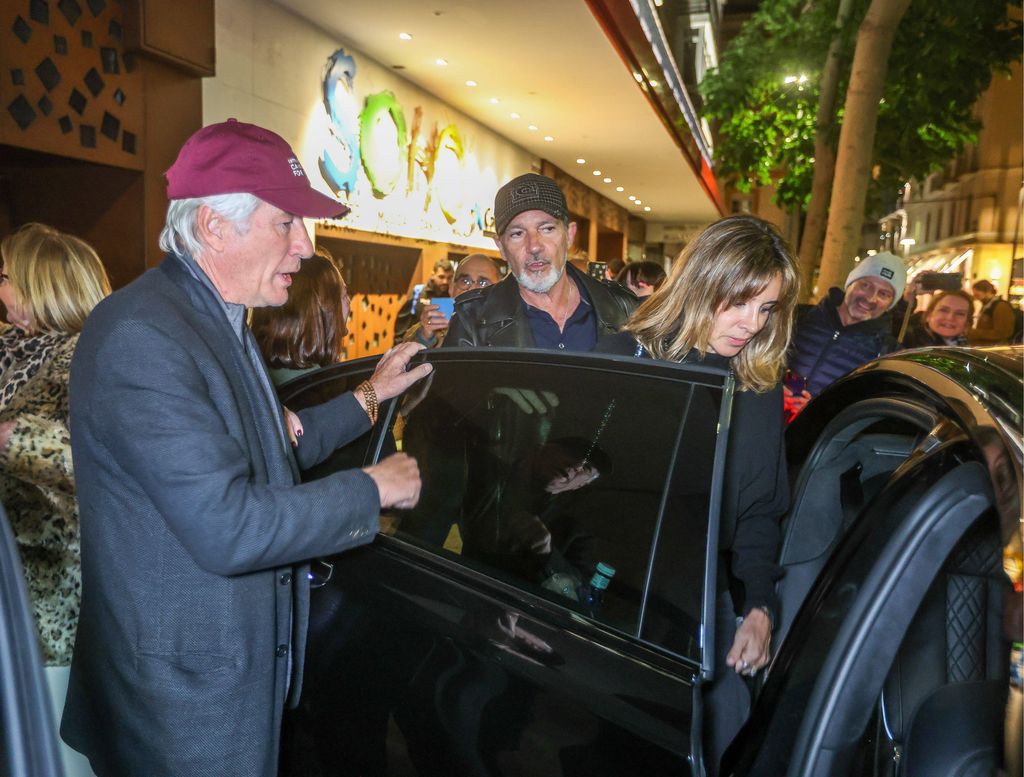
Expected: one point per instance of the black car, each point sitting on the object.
(547, 608)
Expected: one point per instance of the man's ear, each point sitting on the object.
(571, 232)
(211, 228)
(501, 248)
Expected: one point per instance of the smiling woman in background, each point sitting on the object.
(49, 282)
(945, 321)
(729, 302)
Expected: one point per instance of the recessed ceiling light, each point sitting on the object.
(471, 82)
(549, 138)
(597, 172)
(607, 180)
(581, 161)
(531, 127)
(513, 115)
(441, 61)
(655, 84)
(619, 189)
(638, 202)
(495, 101)
(405, 36)
(639, 78)
(632, 197)
(647, 208)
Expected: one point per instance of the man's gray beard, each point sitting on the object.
(542, 284)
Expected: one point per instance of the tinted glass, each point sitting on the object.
(319, 387)
(552, 478)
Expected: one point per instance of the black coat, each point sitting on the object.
(496, 316)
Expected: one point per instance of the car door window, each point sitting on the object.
(555, 479)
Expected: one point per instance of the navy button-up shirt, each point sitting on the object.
(579, 334)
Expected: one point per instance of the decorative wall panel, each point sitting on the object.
(67, 85)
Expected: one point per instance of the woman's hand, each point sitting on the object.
(294, 427)
(751, 648)
(5, 434)
(793, 403)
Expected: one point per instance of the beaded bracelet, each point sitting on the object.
(370, 397)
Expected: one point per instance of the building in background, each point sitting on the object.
(967, 217)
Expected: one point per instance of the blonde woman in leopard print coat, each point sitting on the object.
(49, 282)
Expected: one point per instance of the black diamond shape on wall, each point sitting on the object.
(87, 39)
(21, 112)
(21, 29)
(65, 123)
(87, 136)
(45, 106)
(129, 62)
(115, 30)
(128, 142)
(17, 76)
(111, 126)
(77, 101)
(94, 81)
(119, 96)
(39, 11)
(48, 74)
(71, 10)
(108, 57)
(60, 44)
(96, 6)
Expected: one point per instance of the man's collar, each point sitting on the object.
(234, 312)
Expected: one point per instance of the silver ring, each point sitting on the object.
(744, 665)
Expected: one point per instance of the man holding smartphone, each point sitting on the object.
(476, 271)
(847, 328)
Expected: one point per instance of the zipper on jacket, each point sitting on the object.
(828, 345)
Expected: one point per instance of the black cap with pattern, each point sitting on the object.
(528, 192)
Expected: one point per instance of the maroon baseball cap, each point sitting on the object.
(234, 157)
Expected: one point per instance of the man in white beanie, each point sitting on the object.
(847, 328)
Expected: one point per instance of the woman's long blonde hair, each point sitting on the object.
(730, 262)
(56, 277)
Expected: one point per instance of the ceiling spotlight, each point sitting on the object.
(607, 180)
(513, 115)
(638, 202)
(597, 172)
(495, 101)
(532, 127)
(405, 36)
(619, 189)
(549, 138)
(647, 208)
(471, 82)
(654, 83)
(632, 197)
(441, 62)
(581, 161)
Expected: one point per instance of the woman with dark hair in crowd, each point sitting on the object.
(944, 322)
(729, 302)
(642, 278)
(49, 282)
(309, 330)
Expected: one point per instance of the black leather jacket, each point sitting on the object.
(495, 316)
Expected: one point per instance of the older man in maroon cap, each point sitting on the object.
(195, 527)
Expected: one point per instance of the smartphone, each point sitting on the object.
(597, 270)
(941, 281)
(795, 383)
(444, 304)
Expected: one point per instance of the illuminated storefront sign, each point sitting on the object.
(404, 173)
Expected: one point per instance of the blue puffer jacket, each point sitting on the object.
(823, 350)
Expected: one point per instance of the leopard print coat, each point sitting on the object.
(37, 480)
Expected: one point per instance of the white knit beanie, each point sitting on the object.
(888, 267)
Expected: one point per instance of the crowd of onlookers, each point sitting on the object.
(729, 299)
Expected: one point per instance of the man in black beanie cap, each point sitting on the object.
(544, 302)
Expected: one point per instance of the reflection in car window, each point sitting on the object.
(553, 479)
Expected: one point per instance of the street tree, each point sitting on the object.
(769, 97)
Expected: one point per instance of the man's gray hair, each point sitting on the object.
(179, 232)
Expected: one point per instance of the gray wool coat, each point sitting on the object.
(194, 533)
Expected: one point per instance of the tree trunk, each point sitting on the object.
(857, 139)
(824, 158)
